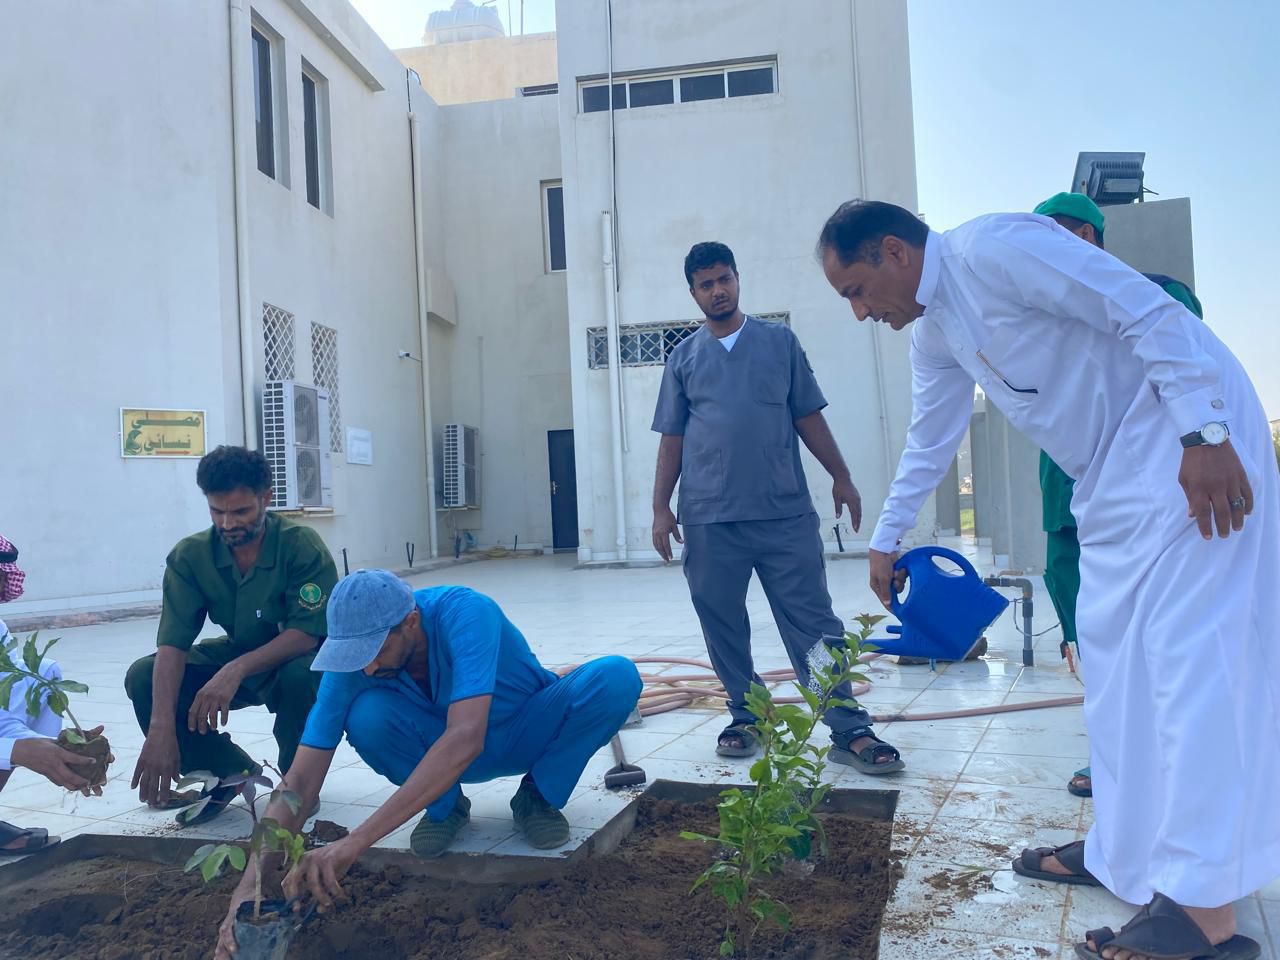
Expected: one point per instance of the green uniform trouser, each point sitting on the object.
(1062, 555)
(1062, 577)
(288, 691)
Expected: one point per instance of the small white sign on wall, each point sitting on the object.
(359, 446)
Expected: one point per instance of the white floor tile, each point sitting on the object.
(1055, 809)
(995, 768)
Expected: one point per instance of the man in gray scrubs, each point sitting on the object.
(734, 397)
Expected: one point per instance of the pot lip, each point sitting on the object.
(273, 911)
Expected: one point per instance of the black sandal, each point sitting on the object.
(1070, 855)
(737, 740)
(1162, 930)
(37, 840)
(869, 759)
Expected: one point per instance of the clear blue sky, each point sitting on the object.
(1007, 92)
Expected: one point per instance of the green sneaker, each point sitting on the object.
(543, 826)
(431, 838)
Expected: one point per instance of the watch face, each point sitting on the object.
(1214, 433)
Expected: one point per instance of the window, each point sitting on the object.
(270, 104)
(553, 226)
(540, 90)
(682, 86)
(706, 86)
(750, 83)
(650, 344)
(263, 97)
(650, 93)
(324, 370)
(595, 99)
(315, 134)
(277, 344)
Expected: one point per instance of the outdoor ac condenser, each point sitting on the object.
(461, 466)
(295, 441)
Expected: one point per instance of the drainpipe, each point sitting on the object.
(876, 350)
(613, 207)
(424, 329)
(615, 383)
(240, 77)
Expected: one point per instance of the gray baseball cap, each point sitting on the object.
(363, 608)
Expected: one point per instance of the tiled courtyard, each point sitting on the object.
(975, 792)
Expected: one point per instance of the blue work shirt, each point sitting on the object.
(736, 410)
(473, 650)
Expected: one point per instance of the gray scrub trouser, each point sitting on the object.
(787, 557)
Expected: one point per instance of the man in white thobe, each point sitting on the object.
(1177, 501)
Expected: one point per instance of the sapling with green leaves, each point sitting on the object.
(21, 661)
(764, 826)
(266, 837)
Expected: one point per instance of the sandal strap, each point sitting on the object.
(1162, 930)
(1100, 937)
(738, 730)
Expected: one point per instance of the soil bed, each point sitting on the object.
(631, 904)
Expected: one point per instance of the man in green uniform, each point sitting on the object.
(1081, 216)
(265, 581)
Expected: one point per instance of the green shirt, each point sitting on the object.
(1056, 487)
(285, 589)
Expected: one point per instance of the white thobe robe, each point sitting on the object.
(1104, 371)
(17, 724)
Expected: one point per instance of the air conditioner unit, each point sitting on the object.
(295, 441)
(461, 466)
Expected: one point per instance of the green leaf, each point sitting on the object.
(212, 865)
(30, 655)
(187, 813)
(198, 857)
(760, 771)
(202, 778)
(72, 736)
(71, 686)
(237, 857)
(726, 947)
(6, 689)
(57, 702)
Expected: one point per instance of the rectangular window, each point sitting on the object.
(263, 97)
(750, 83)
(650, 344)
(682, 85)
(596, 99)
(651, 93)
(317, 149)
(553, 226)
(540, 90)
(324, 371)
(706, 86)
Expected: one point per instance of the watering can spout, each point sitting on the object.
(944, 613)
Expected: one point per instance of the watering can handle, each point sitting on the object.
(919, 555)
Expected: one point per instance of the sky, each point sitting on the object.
(1007, 92)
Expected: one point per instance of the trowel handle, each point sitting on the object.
(618, 755)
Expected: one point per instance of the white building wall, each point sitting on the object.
(760, 174)
(118, 281)
(353, 271)
(506, 362)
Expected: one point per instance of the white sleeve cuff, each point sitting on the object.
(1193, 410)
(885, 539)
(6, 752)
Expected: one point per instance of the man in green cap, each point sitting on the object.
(1081, 216)
(265, 581)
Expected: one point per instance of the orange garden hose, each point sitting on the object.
(666, 692)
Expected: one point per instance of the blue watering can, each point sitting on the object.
(944, 613)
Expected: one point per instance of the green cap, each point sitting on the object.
(1072, 205)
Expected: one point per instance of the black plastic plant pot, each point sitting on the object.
(268, 937)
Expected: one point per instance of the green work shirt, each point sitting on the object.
(286, 588)
(1056, 487)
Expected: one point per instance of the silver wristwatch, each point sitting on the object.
(1213, 434)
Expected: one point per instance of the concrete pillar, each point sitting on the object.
(948, 502)
(1153, 237)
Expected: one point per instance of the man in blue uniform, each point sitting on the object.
(434, 689)
(736, 399)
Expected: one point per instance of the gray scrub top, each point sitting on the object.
(736, 410)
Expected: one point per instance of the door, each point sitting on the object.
(564, 490)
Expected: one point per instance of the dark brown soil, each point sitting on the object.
(98, 748)
(325, 831)
(634, 904)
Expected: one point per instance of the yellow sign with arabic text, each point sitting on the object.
(161, 433)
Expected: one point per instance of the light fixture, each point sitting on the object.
(1109, 178)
